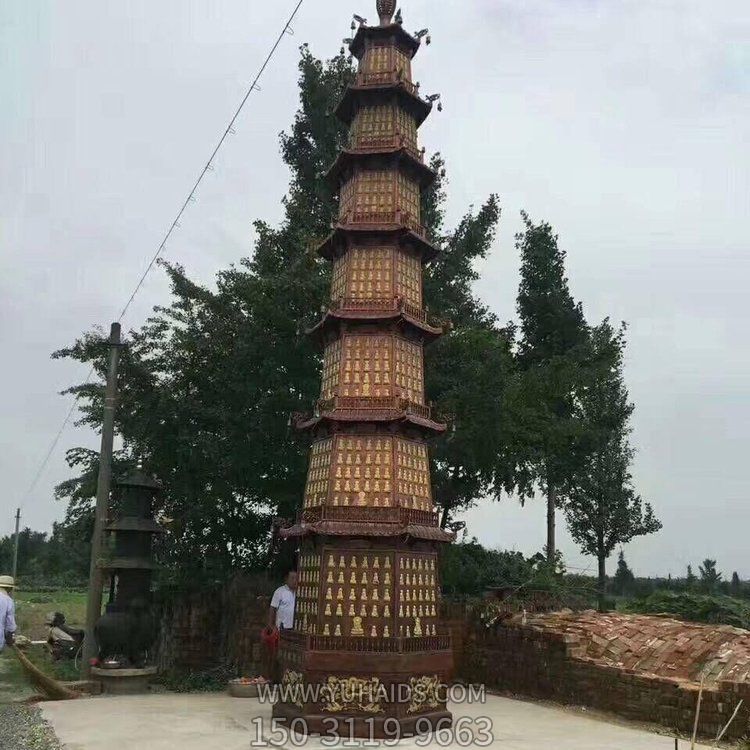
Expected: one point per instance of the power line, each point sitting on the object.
(208, 166)
(286, 29)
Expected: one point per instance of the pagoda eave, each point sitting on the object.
(398, 230)
(334, 316)
(375, 416)
(411, 159)
(406, 92)
(395, 30)
(135, 524)
(366, 529)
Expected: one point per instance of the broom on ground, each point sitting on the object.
(53, 689)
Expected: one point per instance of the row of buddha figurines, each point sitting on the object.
(407, 468)
(404, 579)
(405, 595)
(410, 389)
(406, 478)
(362, 500)
(410, 610)
(404, 378)
(371, 446)
(410, 470)
(315, 562)
(410, 491)
(356, 629)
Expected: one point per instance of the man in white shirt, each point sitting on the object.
(281, 612)
(7, 611)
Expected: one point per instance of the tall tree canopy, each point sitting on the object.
(602, 508)
(551, 355)
(710, 577)
(208, 384)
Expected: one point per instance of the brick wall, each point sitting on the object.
(210, 628)
(544, 664)
(545, 658)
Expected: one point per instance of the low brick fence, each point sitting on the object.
(563, 658)
(547, 664)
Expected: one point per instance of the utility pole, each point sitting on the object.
(94, 602)
(15, 544)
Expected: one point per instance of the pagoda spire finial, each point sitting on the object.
(386, 9)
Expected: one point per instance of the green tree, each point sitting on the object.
(550, 350)
(208, 384)
(709, 576)
(32, 546)
(468, 569)
(470, 375)
(602, 510)
(735, 587)
(690, 578)
(624, 577)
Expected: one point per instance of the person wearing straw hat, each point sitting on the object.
(7, 611)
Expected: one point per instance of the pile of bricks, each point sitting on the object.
(641, 667)
(655, 645)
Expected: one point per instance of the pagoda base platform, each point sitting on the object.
(124, 681)
(365, 691)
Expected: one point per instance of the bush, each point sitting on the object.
(468, 569)
(715, 610)
(208, 681)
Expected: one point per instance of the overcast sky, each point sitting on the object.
(622, 123)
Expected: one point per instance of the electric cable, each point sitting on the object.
(286, 29)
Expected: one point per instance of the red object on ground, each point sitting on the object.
(270, 638)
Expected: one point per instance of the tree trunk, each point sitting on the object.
(602, 583)
(551, 504)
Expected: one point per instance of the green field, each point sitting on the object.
(32, 607)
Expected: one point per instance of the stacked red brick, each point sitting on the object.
(641, 667)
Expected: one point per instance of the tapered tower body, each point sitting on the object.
(368, 647)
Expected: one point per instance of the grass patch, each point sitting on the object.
(63, 670)
(210, 681)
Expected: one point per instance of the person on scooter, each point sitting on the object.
(63, 640)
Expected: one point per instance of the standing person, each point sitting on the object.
(7, 611)
(281, 611)
(280, 617)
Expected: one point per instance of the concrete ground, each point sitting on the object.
(218, 722)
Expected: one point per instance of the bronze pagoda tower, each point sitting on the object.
(368, 647)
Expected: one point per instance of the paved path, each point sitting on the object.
(218, 722)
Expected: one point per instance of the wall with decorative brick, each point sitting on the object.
(554, 662)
